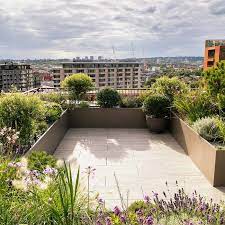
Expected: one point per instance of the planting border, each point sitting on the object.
(207, 158)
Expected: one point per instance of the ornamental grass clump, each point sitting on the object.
(208, 128)
(195, 105)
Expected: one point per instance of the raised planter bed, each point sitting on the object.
(207, 158)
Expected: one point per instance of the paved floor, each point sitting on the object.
(138, 161)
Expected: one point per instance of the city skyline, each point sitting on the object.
(116, 29)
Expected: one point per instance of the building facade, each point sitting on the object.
(112, 74)
(17, 75)
(214, 53)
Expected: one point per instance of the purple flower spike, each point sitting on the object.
(149, 220)
(108, 221)
(147, 199)
(117, 211)
(123, 219)
(98, 223)
(101, 201)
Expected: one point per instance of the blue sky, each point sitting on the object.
(143, 28)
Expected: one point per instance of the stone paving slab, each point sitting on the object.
(140, 161)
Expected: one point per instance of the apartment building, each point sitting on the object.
(18, 75)
(214, 52)
(111, 74)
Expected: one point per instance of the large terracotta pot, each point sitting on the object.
(156, 125)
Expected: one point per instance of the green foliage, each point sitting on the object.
(221, 126)
(23, 113)
(39, 160)
(130, 102)
(59, 98)
(108, 98)
(68, 206)
(78, 85)
(170, 87)
(83, 104)
(157, 106)
(195, 105)
(208, 128)
(137, 205)
(149, 82)
(214, 79)
(53, 111)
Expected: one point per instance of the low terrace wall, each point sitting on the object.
(106, 118)
(51, 138)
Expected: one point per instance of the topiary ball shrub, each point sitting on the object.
(156, 106)
(108, 98)
(208, 128)
(78, 85)
(39, 160)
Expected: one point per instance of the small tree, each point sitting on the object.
(78, 85)
(170, 87)
(215, 79)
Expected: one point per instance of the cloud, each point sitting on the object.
(218, 7)
(65, 28)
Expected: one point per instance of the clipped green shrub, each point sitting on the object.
(130, 102)
(39, 160)
(170, 87)
(108, 98)
(195, 105)
(23, 113)
(53, 111)
(208, 128)
(157, 106)
(78, 85)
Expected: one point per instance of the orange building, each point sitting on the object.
(214, 52)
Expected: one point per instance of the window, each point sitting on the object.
(68, 71)
(210, 63)
(56, 71)
(211, 53)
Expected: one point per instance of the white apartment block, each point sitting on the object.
(112, 74)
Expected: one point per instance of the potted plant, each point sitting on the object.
(156, 108)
